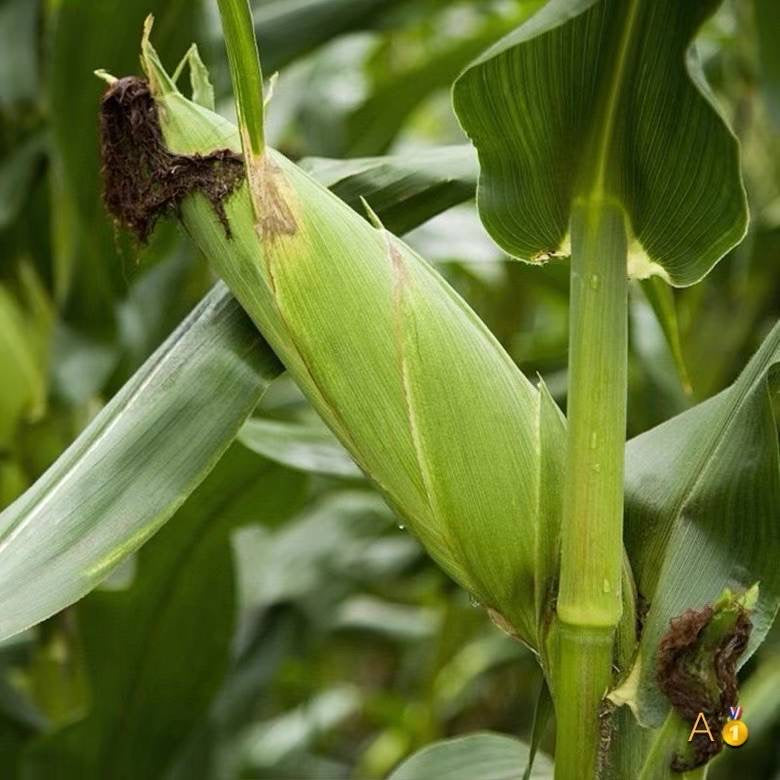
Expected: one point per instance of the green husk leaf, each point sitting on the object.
(200, 80)
(354, 314)
(601, 98)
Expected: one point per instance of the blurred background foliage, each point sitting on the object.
(281, 625)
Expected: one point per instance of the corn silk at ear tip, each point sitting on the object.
(411, 381)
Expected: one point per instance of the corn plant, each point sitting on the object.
(641, 574)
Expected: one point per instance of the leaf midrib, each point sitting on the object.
(612, 99)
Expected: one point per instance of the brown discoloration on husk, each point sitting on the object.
(272, 193)
(682, 680)
(142, 179)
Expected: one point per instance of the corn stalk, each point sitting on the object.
(582, 153)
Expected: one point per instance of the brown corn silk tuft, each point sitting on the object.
(142, 179)
(683, 683)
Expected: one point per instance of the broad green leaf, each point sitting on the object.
(485, 756)
(702, 498)
(602, 99)
(181, 606)
(306, 446)
(404, 190)
(134, 465)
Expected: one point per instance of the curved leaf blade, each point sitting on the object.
(134, 465)
(702, 498)
(593, 98)
(304, 446)
(404, 191)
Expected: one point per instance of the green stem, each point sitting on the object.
(589, 600)
(245, 72)
(583, 676)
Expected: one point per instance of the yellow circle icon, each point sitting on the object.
(735, 733)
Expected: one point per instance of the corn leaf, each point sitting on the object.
(182, 604)
(544, 712)
(134, 465)
(602, 96)
(306, 446)
(702, 498)
(404, 190)
(484, 755)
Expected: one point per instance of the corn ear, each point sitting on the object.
(414, 385)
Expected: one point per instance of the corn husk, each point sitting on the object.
(414, 385)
